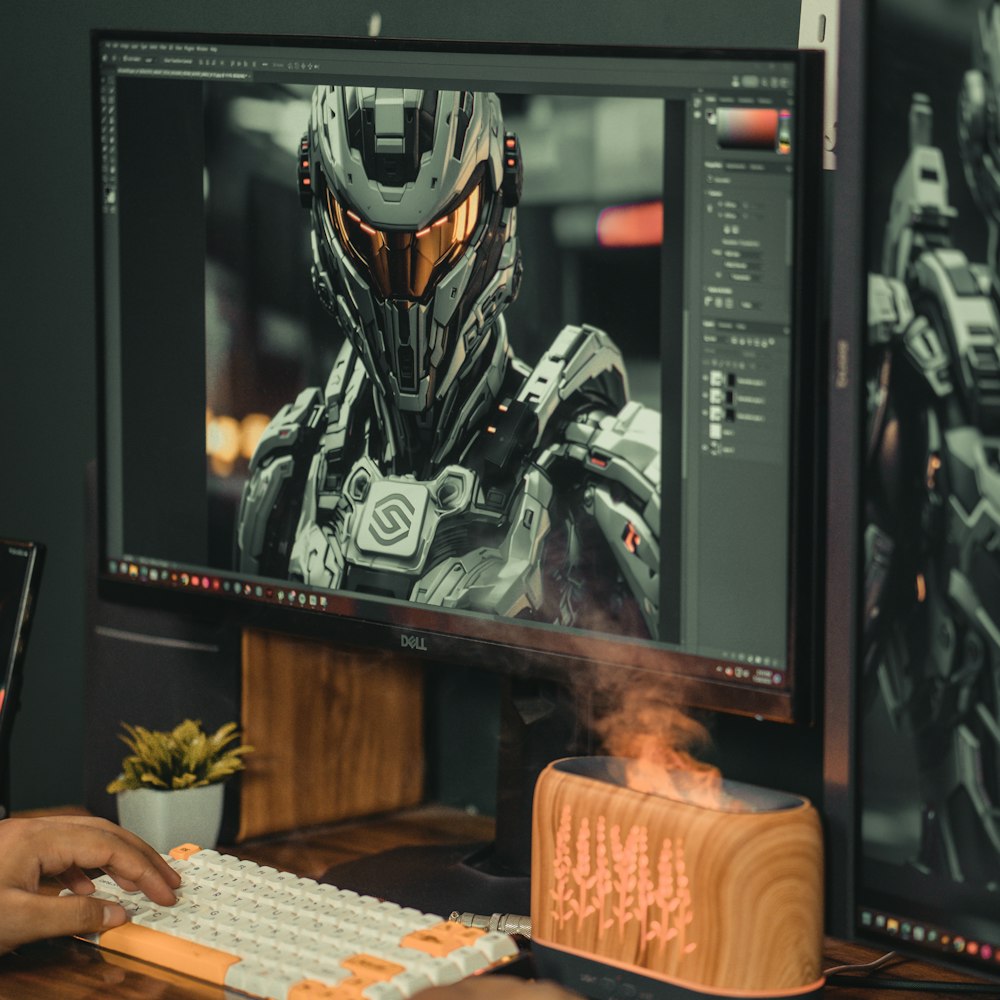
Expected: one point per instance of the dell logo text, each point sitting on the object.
(413, 642)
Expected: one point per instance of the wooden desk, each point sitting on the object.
(66, 969)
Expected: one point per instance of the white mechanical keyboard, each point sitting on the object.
(272, 935)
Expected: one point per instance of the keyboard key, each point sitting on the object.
(411, 982)
(496, 946)
(383, 991)
(468, 960)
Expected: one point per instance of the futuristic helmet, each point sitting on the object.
(413, 195)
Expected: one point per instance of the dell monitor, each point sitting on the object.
(507, 356)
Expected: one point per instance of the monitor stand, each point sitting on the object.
(538, 724)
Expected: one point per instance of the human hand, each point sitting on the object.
(62, 847)
(498, 988)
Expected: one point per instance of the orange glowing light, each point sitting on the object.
(491, 430)
(933, 467)
(654, 736)
(227, 439)
(252, 428)
(632, 538)
(605, 878)
(921, 588)
(638, 225)
(675, 774)
(503, 407)
(601, 463)
(401, 263)
(222, 442)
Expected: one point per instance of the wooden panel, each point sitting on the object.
(338, 732)
(721, 900)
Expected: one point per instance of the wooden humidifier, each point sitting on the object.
(645, 895)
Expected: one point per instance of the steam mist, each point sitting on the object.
(641, 720)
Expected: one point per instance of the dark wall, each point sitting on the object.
(47, 332)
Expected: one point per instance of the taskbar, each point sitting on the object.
(898, 930)
(208, 582)
(743, 670)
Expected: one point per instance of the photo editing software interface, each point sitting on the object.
(495, 344)
(928, 782)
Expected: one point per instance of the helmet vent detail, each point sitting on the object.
(407, 369)
(464, 113)
(392, 129)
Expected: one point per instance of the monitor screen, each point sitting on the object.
(928, 780)
(508, 355)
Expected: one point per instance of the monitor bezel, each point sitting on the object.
(407, 627)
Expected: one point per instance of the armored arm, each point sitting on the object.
(272, 498)
(618, 456)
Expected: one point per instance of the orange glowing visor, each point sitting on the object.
(403, 264)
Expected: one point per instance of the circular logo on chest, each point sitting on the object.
(392, 518)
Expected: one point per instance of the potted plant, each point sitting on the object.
(170, 790)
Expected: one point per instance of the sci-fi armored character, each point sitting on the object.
(932, 628)
(435, 466)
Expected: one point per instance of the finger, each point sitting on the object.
(75, 879)
(96, 823)
(59, 848)
(43, 916)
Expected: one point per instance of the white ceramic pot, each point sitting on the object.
(166, 819)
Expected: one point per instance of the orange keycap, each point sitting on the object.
(441, 939)
(184, 851)
(371, 967)
(172, 952)
(312, 989)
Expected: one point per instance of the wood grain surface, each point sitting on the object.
(338, 732)
(726, 900)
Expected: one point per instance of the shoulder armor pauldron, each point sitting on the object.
(292, 428)
(958, 352)
(582, 359)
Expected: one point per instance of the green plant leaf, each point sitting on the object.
(184, 757)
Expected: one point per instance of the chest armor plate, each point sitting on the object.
(447, 541)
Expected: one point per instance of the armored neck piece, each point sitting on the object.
(421, 443)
